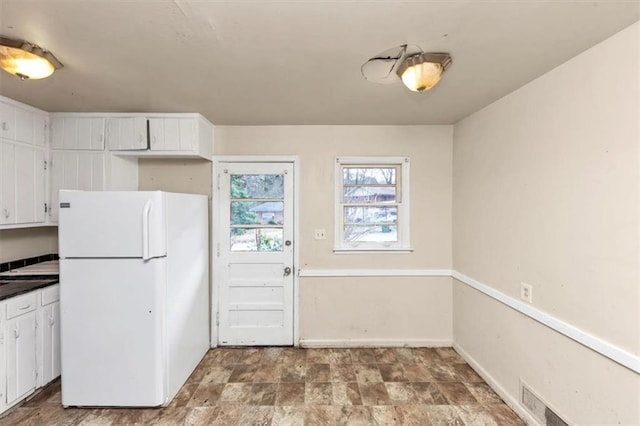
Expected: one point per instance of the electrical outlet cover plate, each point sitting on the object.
(526, 292)
(320, 234)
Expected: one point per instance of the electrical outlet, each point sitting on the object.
(320, 234)
(526, 292)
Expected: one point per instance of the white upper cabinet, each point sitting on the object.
(23, 142)
(187, 135)
(174, 136)
(7, 121)
(21, 123)
(7, 183)
(127, 133)
(77, 133)
(30, 182)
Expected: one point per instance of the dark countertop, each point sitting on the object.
(14, 286)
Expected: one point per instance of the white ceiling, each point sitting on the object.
(285, 62)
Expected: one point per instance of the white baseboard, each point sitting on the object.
(511, 400)
(379, 343)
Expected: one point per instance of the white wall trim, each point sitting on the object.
(377, 343)
(609, 350)
(374, 272)
(605, 348)
(497, 387)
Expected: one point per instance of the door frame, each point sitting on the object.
(216, 226)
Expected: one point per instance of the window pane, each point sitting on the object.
(370, 215)
(256, 239)
(257, 186)
(369, 194)
(383, 233)
(369, 175)
(256, 212)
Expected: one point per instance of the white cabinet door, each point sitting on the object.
(7, 183)
(25, 184)
(75, 170)
(24, 125)
(40, 127)
(30, 184)
(7, 121)
(49, 321)
(127, 133)
(91, 133)
(156, 134)
(77, 133)
(172, 134)
(21, 356)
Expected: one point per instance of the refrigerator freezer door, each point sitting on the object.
(112, 340)
(112, 224)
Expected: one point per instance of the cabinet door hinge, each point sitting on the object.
(218, 181)
(217, 318)
(45, 164)
(218, 249)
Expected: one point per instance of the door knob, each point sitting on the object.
(287, 243)
(287, 271)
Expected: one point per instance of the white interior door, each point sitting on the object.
(255, 254)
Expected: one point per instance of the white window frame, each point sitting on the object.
(403, 244)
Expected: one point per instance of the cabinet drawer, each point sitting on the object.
(50, 294)
(22, 304)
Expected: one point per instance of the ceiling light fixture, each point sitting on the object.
(26, 60)
(422, 71)
(418, 70)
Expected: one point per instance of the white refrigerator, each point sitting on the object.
(134, 295)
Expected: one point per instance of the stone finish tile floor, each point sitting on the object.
(289, 386)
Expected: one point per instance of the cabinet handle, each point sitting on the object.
(22, 308)
(16, 333)
(6, 213)
(5, 126)
(51, 321)
(145, 230)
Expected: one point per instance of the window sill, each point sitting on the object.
(376, 250)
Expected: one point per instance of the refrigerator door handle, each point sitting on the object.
(145, 230)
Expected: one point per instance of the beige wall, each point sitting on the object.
(546, 191)
(349, 308)
(191, 176)
(27, 242)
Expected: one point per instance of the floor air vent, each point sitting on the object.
(538, 408)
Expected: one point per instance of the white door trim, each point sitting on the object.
(215, 236)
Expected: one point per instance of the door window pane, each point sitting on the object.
(257, 212)
(257, 186)
(256, 239)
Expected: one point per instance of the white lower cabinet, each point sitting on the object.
(48, 350)
(29, 344)
(21, 346)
